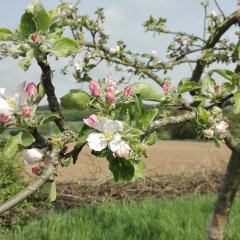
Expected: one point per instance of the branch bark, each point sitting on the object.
(35, 185)
(226, 197)
(51, 96)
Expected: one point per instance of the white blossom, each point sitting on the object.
(208, 133)
(31, 156)
(108, 136)
(78, 66)
(114, 50)
(11, 101)
(221, 127)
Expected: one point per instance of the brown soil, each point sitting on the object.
(164, 158)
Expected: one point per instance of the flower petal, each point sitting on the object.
(96, 141)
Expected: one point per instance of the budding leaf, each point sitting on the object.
(237, 102)
(76, 99)
(186, 85)
(48, 117)
(6, 35)
(52, 192)
(152, 139)
(64, 47)
(147, 92)
(146, 118)
(132, 133)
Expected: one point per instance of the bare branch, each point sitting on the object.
(216, 3)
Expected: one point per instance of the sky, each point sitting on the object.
(124, 19)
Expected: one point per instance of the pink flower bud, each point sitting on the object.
(31, 89)
(91, 121)
(94, 88)
(35, 37)
(26, 111)
(123, 150)
(165, 87)
(5, 118)
(36, 170)
(127, 90)
(216, 88)
(208, 133)
(221, 127)
(110, 97)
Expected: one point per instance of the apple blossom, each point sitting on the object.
(91, 121)
(94, 88)
(208, 133)
(221, 127)
(114, 50)
(216, 88)
(165, 87)
(123, 150)
(26, 111)
(31, 89)
(36, 170)
(5, 118)
(153, 54)
(11, 101)
(110, 96)
(31, 156)
(127, 90)
(108, 135)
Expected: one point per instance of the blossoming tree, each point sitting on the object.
(119, 127)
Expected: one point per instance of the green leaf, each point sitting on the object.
(139, 167)
(152, 139)
(237, 102)
(52, 191)
(26, 138)
(127, 117)
(217, 142)
(207, 85)
(146, 119)
(64, 47)
(147, 92)
(76, 99)
(202, 116)
(132, 133)
(186, 85)
(83, 134)
(14, 144)
(227, 74)
(48, 117)
(41, 93)
(6, 34)
(40, 15)
(122, 169)
(27, 25)
(137, 108)
(11, 148)
(228, 87)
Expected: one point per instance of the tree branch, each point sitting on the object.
(51, 97)
(35, 185)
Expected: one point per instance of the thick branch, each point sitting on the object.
(226, 197)
(35, 185)
(51, 97)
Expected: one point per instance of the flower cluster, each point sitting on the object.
(107, 91)
(217, 126)
(108, 135)
(18, 102)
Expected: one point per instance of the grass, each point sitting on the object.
(170, 219)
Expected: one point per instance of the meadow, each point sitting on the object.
(184, 218)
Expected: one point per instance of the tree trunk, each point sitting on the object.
(226, 197)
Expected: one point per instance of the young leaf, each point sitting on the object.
(52, 191)
(146, 118)
(152, 139)
(40, 15)
(11, 148)
(83, 134)
(27, 25)
(147, 92)
(6, 35)
(237, 102)
(227, 74)
(132, 133)
(76, 99)
(64, 47)
(26, 138)
(48, 117)
(186, 85)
